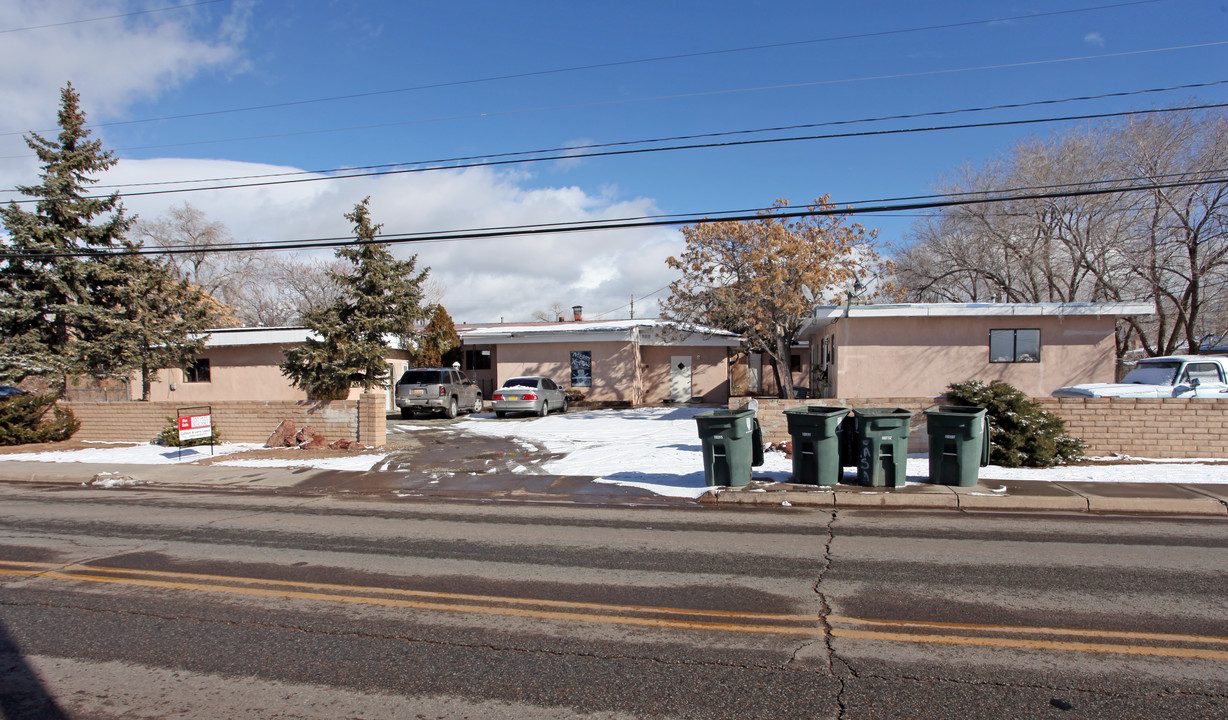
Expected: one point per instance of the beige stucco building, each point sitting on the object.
(240, 364)
(617, 362)
(918, 349)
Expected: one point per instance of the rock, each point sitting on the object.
(316, 442)
(341, 444)
(283, 436)
(305, 436)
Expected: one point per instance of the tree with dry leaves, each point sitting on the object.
(748, 277)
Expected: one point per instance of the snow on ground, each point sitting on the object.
(113, 453)
(657, 449)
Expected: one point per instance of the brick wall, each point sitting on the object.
(237, 421)
(1167, 428)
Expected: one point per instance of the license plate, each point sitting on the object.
(419, 391)
(512, 397)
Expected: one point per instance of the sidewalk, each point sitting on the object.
(1133, 498)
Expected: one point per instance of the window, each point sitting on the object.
(581, 368)
(477, 359)
(1203, 372)
(1014, 346)
(795, 363)
(197, 371)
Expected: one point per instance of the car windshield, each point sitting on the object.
(521, 382)
(1154, 373)
(421, 377)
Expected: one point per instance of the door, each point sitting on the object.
(680, 378)
(754, 374)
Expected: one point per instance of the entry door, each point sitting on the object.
(754, 374)
(680, 378)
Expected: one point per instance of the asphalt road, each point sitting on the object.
(158, 604)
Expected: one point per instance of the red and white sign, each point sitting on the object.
(192, 427)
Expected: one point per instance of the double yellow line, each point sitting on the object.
(1000, 636)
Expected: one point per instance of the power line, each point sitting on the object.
(624, 101)
(617, 63)
(774, 213)
(111, 17)
(638, 151)
(678, 138)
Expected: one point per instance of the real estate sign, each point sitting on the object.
(192, 427)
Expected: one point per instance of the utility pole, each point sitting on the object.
(632, 306)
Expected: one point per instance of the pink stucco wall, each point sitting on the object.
(709, 372)
(238, 373)
(921, 356)
(613, 368)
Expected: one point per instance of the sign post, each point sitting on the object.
(195, 423)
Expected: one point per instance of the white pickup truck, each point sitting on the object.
(1178, 376)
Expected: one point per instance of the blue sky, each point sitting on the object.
(502, 79)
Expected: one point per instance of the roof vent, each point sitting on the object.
(577, 312)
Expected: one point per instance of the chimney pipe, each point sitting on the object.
(577, 312)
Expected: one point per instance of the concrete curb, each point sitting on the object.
(1120, 498)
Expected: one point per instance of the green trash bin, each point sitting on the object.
(815, 431)
(732, 445)
(882, 446)
(959, 444)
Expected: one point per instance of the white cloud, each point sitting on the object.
(112, 63)
(1094, 38)
(484, 280)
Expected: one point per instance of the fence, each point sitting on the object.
(1167, 427)
(362, 420)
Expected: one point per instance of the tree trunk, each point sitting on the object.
(784, 377)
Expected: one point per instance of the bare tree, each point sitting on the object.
(556, 312)
(1166, 244)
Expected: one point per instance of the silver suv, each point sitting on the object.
(437, 390)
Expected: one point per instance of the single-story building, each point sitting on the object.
(242, 364)
(918, 349)
(616, 362)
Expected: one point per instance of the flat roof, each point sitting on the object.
(828, 314)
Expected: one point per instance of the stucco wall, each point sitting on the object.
(1154, 428)
(613, 370)
(246, 372)
(920, 356)
(709, 372)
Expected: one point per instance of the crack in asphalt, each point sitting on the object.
(825, 613)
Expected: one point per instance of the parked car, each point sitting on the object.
(1179, 376)
(529, 394)
(8, 391)
(438, 391)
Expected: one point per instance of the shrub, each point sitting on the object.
(1021, 434)
(24, 419)
(170, 436)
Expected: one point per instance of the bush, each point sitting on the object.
(24, 419)
(170, 436)
(1021, 434)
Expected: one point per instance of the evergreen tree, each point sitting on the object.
(163, 323)
(381, 298)
(437, 340)
(61, 279)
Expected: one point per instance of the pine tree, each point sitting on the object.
(381, 298)
(62, 281)
(437, 340)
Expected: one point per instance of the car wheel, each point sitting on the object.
(450, 411)
(406, 413)
(500, 413)
(564, 408)
(544, 410)
(477, 404)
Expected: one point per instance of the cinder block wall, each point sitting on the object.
(1162, 428)
(237, 421)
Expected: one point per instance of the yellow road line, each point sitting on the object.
(201, 583)
(1071, 632)
(1033, 644)
(330, 587)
